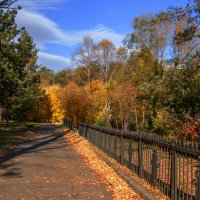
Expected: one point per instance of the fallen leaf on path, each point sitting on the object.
(119, 188)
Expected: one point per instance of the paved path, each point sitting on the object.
(46, 167)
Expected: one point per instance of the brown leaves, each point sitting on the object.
(119, 188)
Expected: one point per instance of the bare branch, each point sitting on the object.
(6, 4)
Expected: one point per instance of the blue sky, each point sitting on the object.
(58, 25)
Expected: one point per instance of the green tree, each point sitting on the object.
(46, 76)
(28, 90)
(63, 77)
(9, 79)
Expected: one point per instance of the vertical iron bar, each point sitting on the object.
(179, 176)
(183, 183)
(130, 155)
(187, 184)
(197, 174)
(173, 175)
(140, 156)
(154, 164)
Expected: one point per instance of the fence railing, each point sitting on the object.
(170, 165)
(68, 123)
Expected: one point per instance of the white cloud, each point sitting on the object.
(98, 33)
(40, 28)
(44, 30)
(54, 62)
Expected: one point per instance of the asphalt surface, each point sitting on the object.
(47, 167)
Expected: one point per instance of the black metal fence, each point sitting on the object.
(170, 165)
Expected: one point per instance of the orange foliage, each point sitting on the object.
(74, 100)
(124, 98)
(191, 129)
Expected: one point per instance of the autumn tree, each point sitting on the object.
(54, 93)
(190, 129)
(104, 57)
(84, 56)
(42, 109)
(124, 105)
(97, 96)
(74, 101)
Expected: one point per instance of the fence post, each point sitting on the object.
(197, 192)
(173, 174)
(95, 137)
(115, 147)
(72, 127)
(80, 129)
(130, 155)
(109, 146)
(88, 138)
(154, 164)
(86, 131)
(122, 149)
(140, 155)
(106, 143)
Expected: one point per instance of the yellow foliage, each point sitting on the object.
(57, 111)
(97, 93)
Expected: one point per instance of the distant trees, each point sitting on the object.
(48, 77)
(84, 56)
(149, 84)
(97, 60)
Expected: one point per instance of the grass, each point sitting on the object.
(14, 133)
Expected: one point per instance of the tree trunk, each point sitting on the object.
(1, 111)
(136, 121)
(117, 124)
(7, 117)
(125, 126)
(143, 119)
(122, 124)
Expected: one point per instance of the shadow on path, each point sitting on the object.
(38, 144)
(47, 167)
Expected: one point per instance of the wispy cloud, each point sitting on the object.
(40, 5)
(40, 28)
(44, 30)
(55, 62)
